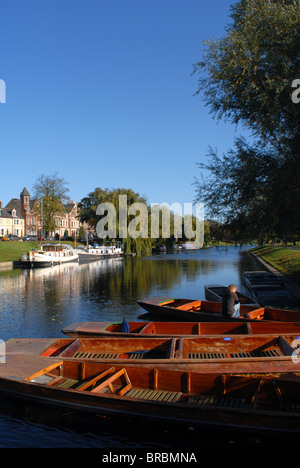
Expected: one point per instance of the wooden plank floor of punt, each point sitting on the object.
(27, 345)
(19, 366)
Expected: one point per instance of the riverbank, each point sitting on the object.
(283, 261)
(11, 251)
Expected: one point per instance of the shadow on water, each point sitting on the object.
(32, 426)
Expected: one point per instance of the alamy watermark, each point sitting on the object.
(296, 93)
(2, 92)
(296, 352)
(160, 221)
(2, 352)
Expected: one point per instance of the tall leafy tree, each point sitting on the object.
(150, 225)
(88, 213)
(246, 78)
(52, 191)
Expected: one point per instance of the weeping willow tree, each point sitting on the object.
(124, 215)
(116, 215)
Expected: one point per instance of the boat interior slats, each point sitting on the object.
(240, 403)
(152, 354)
(239, 355)
(207, 356)
(167, 396)
(65, 383)
(147, 355)
(167, 387)
(217, 400)
(220, 347)
(90, 355)
(154, 395)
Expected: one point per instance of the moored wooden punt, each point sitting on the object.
(261, 277)
(178, 329)
(206, 311)
(270, 291)
(270, 295)
(234, 354)
(155, 396)
(216, 293)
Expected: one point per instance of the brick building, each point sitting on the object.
(29, 210)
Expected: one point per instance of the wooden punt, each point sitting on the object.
(215, 293)
(269, 291)
(157, 396)
(260, 277)
(270, 295)
(206, 311)
(178, 329)
(235, 353)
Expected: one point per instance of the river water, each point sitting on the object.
(39, 303)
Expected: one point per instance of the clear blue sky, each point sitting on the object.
(101, 91)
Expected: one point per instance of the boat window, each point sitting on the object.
(52, 248)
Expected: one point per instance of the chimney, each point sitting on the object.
(0, 204)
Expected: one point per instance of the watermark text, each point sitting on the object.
(296, 93)
(163, 221)
(2, 92)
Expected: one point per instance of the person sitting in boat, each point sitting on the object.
(230, 302)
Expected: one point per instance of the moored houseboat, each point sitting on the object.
(48, 255)
(97, 252)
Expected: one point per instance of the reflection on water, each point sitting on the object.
(39, 303)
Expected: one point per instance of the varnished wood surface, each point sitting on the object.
(206, 311)
(169, 329)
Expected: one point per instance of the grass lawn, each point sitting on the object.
(11, 251)
(286, 260)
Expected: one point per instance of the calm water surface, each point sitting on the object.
(39, 303)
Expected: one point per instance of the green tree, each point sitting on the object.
(88, 213)
(154, 225)
(51, 190)
(246, 78)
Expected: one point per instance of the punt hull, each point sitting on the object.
(189, 400)
(177, 329)
(260, 277)
(206, 311)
